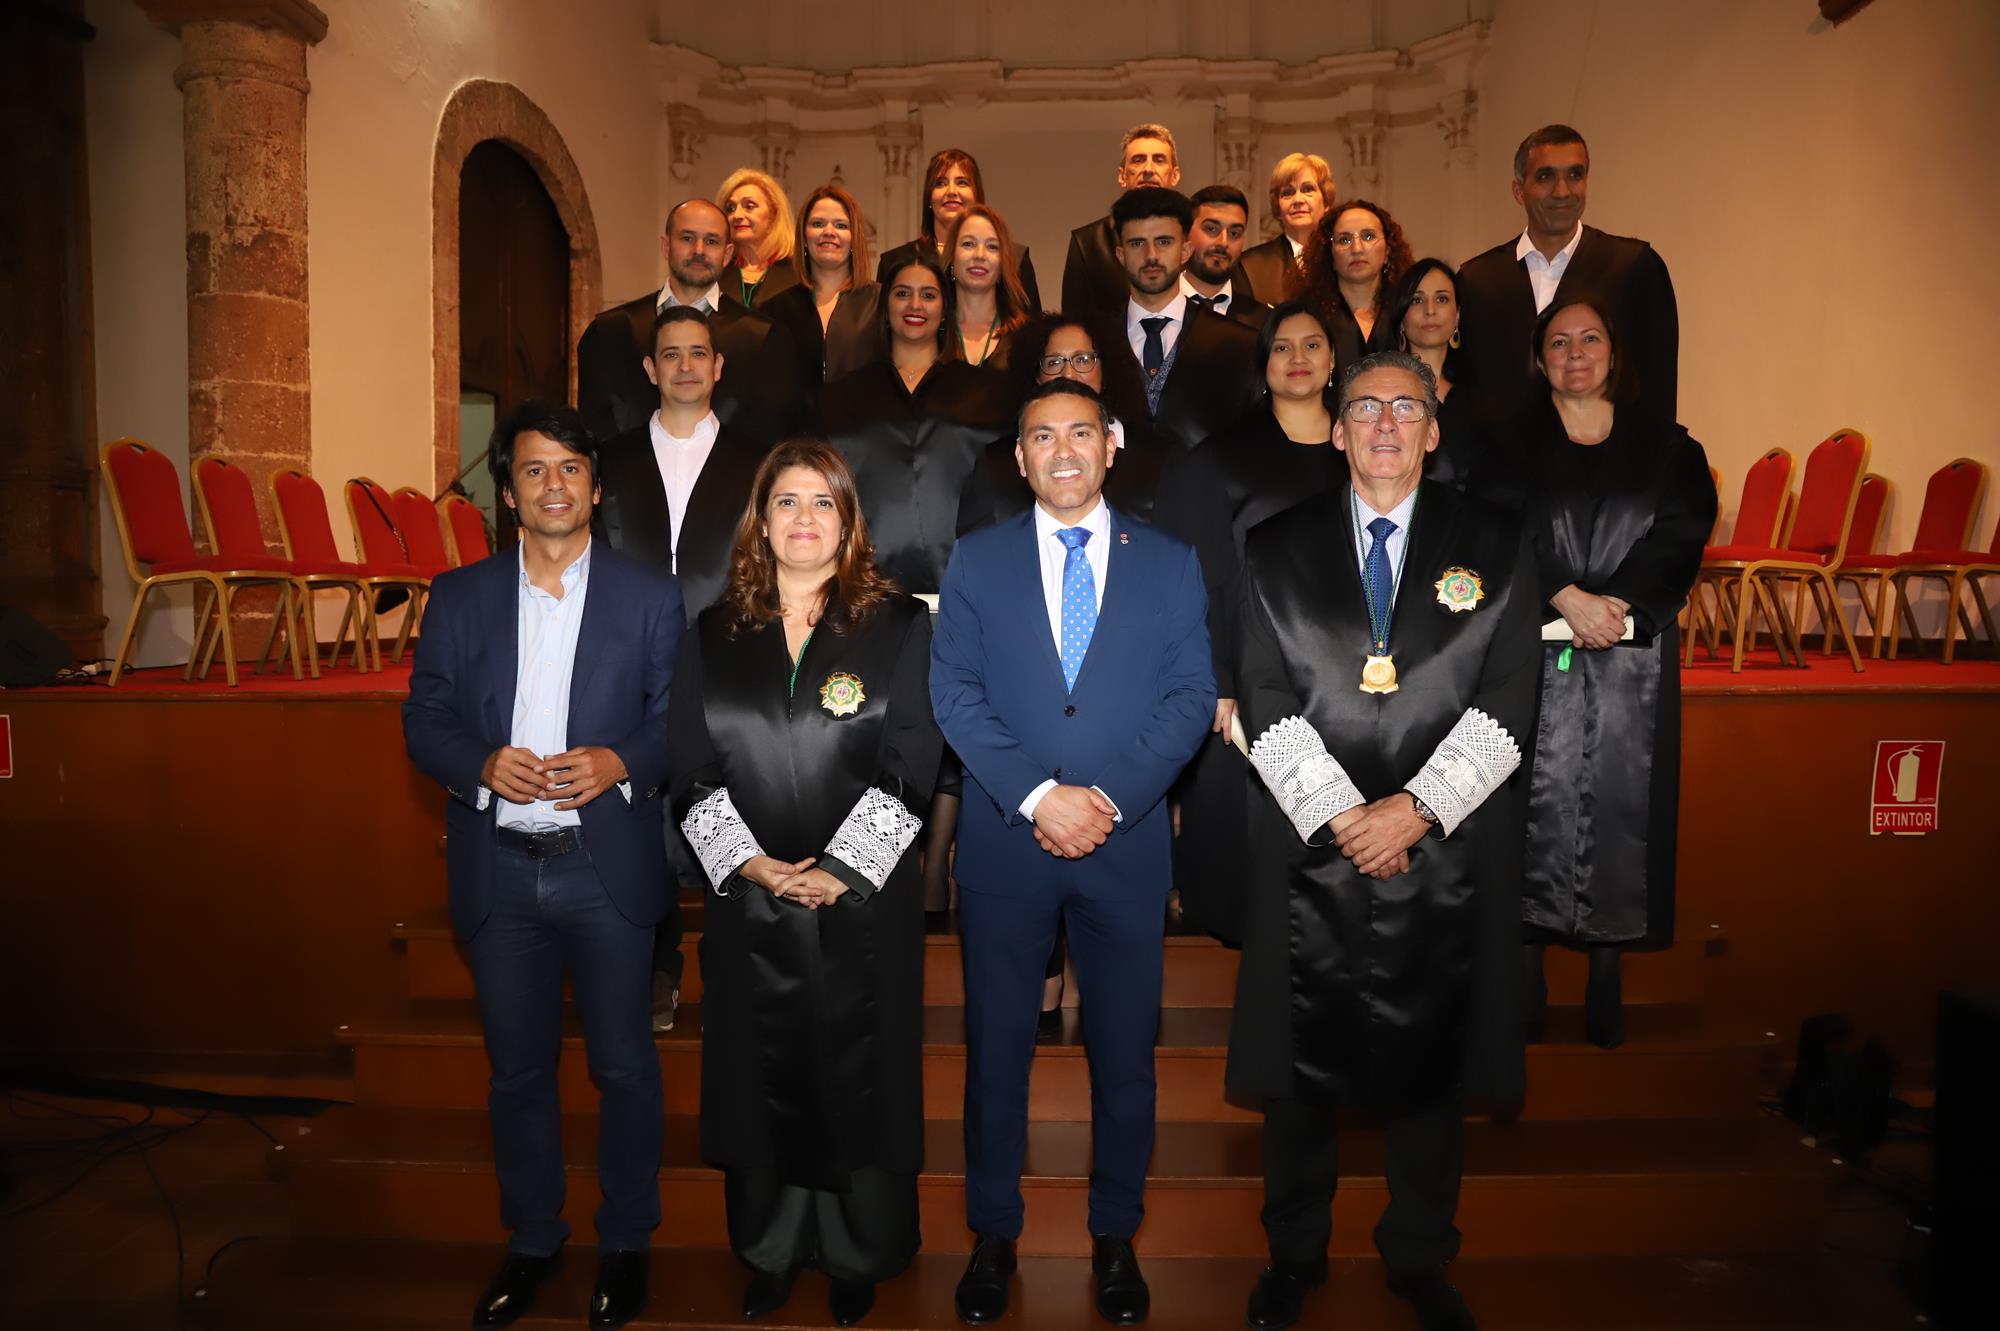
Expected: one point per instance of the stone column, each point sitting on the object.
(1236, 160)
(1458, 124)
(901, 139)
(243, 87)
(1363, 137)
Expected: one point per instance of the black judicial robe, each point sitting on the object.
(760, 391)
(812, 1021)
(1497, 318)
(1094, 284)
(779, 278)
(1353, 991)
(1212, 378)
(1211, 497)
(1274, 275)
(1627, 518)
(996, 490)
(911, 454)
(904, 253)
(632, 512)
(851, 338)
(1463, 458)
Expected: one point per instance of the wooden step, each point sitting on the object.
(1200, 972)
(1606, 1187)
(332, 1285)
(1677, 1062)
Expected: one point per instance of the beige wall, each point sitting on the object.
(1825, 197)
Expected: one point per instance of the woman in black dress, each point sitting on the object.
(1357, 256)
(804, 752)
(1278, 456)
(953, 184)
(835, 312)
(1619, 500)
(1423, 311)
(912, 428)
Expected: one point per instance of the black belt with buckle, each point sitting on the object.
(542, 845)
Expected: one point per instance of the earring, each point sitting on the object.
(1402, 340)
(1455, 343)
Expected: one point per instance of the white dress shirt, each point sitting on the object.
(708, 302)
(1364, 514)
(1117, 441)
(1175, 314)
(680, 461)
(1219, 302)
(1297, 248)
(1053, 556)
(1545, 275)
(545, 657)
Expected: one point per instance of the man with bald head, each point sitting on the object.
(761, 396)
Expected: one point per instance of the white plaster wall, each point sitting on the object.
(138, 260)
(1825, 198)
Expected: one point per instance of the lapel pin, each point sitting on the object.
(1124, 538)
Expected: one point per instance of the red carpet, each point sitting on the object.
(1761, 674)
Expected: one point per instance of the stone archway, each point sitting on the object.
(481, 109)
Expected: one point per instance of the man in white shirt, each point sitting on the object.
(674, 489)
(1502, 291)
(1070, 672)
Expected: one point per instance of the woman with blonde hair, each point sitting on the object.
(762, 237)
(803, 755)
(1302, 189)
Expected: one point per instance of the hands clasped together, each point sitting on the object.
(574, 776)
(1596, 621)
(1378, 836)
(800, 883)
(1072, 821)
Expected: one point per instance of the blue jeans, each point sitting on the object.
(548, 915)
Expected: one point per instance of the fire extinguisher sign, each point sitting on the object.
(1904, 797)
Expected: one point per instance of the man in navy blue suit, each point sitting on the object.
(539, 702)
(1070, 672)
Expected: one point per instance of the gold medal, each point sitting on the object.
(842, 694)
(1378, 673)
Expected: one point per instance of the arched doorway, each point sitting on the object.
(513, 305)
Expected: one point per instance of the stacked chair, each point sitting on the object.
(308, 536)
(371, 509)
(153, 530)
(1761, 513)
(1941, 553)
(1864, 567)
(1755, 575)
(464, 529)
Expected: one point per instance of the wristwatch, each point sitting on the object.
(1423, 809)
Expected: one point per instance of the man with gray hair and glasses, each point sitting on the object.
(1387, 661)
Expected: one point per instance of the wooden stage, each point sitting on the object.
(244, 889)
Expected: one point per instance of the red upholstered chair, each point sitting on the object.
(371, 509)
(1941, 552)
(228, 506)
(422, 526)
(465, 529)
(1761, 513)
(1865, 568)
(1814, 548)
(308, 536)
(145, 495)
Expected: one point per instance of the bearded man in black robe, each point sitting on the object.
(1386, 669)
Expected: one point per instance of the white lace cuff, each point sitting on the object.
(874, 835)
(1467, 766)
(1309, 784)
(722, 841)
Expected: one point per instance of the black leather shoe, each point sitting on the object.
(1280, 1295)
(849, 1301)
(767, 1292)
(512, 1292)
(1438, 1306)
(982, 1290)
(621, 1288)
(1122, 1296)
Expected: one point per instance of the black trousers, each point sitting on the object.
(1426, 1151)
(867, 1234)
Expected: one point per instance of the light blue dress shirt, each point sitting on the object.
(545, 660)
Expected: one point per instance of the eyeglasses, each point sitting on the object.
(1402, 410)
(1082, 362)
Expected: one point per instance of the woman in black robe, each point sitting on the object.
(835, 312)
(804, 752)
(1357, 256)
(1421, 317)
(953, 184)
(1619, 501)
(1279, 455)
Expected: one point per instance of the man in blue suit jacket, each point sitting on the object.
(539, 702)
(1070, 672)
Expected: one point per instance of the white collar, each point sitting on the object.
(1097, 522)
(1227, 295)
(710, 300)
(1524, 247)
(1297, 248)
(1175, 311)
(705, 430)
(578, 569)
(1400, 514)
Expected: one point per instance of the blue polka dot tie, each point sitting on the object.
(1079, 602)
(1381, 582)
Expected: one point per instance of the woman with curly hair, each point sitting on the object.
(803, 756)
(1357, 256)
